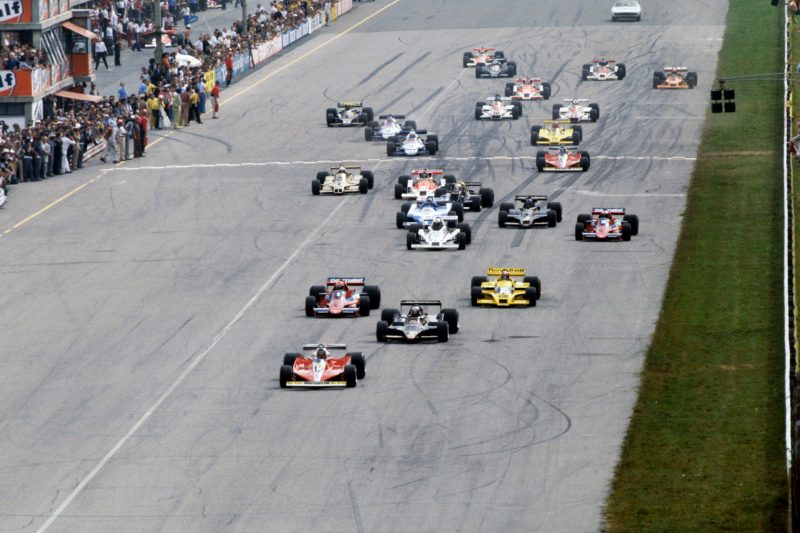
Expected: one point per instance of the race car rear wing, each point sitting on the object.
(349, 281)
(444, 218)
(609, 210)
(473, 183)
(678, 69)
(384, 117)
(576, 100)
(436, 172)
(606, 60)
(557, 148)
(314, 346)
(534, 197)
(559, 122)
(496, 271)
(418, 132)
(406, 303)
(348, 168)
(483, 49)
(350, 103)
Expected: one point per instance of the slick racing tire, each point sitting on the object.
(552, 218)
(478, 70)
(404, 181)
(530, 295)
(363, 305)
(350, 376)
(451, 318)
(358, 361)
(658, 79)
(368, 112)
(578, 231)
(406, 207)
(461, 241)
(388, 315)
(381, 330)
(583, 218)
(634, 222)
(509, 89)
(398, 191)
(487, 197)
(289, 358)
(374, 293)
(546, 90)
(411, 240)
(449, 178)
(400, 219)
(322, 175)
(478, 111)
(586, 161)
(311, 303)
(467, 59)
(506, 206)
(368, 133)
(556, 111)
(534, 282)
(585, 71)
(621, 71)
(431, 147)
(515, 112)
(467, 231)
(390, 148)
(502, 218)
(450, 223)
(442, 334)
(475, 295)
(535, 135)
(556, 206)
(434, 139)
(363, 186)
(626, 231)
(691, 79)
(512, 69)
(316, 187)
(458, 207)
(287, 374)
(476, 281)
(330, 116)
(315, 290)
(541, 161)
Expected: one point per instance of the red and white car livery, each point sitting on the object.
(421, 183)
(603, 70)
(528, 89)
(342, 297)
(563, 159)
(317, 367)
(498, 108)
(481, 56)
(606, 223)
(575, 111)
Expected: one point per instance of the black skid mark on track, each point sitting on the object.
(400, 75)
(228, 146)
(379, 68)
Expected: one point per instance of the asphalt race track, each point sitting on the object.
(145, 318)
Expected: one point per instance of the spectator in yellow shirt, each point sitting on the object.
(154, 104)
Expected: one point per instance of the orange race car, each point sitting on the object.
(421, 183)
(481, 56)
(316, 367)
(528, 89)
(342, 297)
(674, 78)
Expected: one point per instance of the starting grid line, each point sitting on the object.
(383, 160)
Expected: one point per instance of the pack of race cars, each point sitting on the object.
(436, 201)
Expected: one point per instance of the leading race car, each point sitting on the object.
(528, 89)
(351, 113)
(442, 234)
(562, 159)
(529, 210)
(421, 183)
(674, 78)
(342, 180)
(504, 290)
(626, 10)
(469, 194)
(388, 127)
(575, 111)
(481, 56)
(425, 209)
(555, 132)
(342, 297)
(316, 367)
(416, 324)
(412, 143)
(498, 108)
(603, 70)
(606, 223)
(498, 68)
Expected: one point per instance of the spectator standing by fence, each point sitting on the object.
(100, 53)
(215, 99)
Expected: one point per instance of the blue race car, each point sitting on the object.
(425, 210)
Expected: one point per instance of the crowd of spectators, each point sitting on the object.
(171, 93)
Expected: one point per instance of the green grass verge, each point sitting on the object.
(705, 446)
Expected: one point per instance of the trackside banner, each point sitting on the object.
(316, 22)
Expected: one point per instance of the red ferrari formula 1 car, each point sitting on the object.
(528, 89)
(342, 297)
(606, 224)
(562, 159)
(316, 367)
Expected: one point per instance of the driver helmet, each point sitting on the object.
(390, 119)
(437, 224)
(604, 216)
(504, 274)
(497, 98)
(529, 203)
(412, 136)
(339, 286)
(341, 170)
(415, 311)
(603, 61)
(562, 150)
(322, 353)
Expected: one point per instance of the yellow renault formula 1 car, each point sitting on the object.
(555, 132)
(504, 290)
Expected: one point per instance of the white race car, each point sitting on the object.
(575, 111)
(342, 180)
(411, 143)
(388, 127)
(442, 234)
(603, 70)
(498, 108)
(626, 10)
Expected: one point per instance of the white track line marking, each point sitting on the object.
(388, 160)
(195, 362)
(624, 195)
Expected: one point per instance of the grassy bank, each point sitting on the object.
(704, 450)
